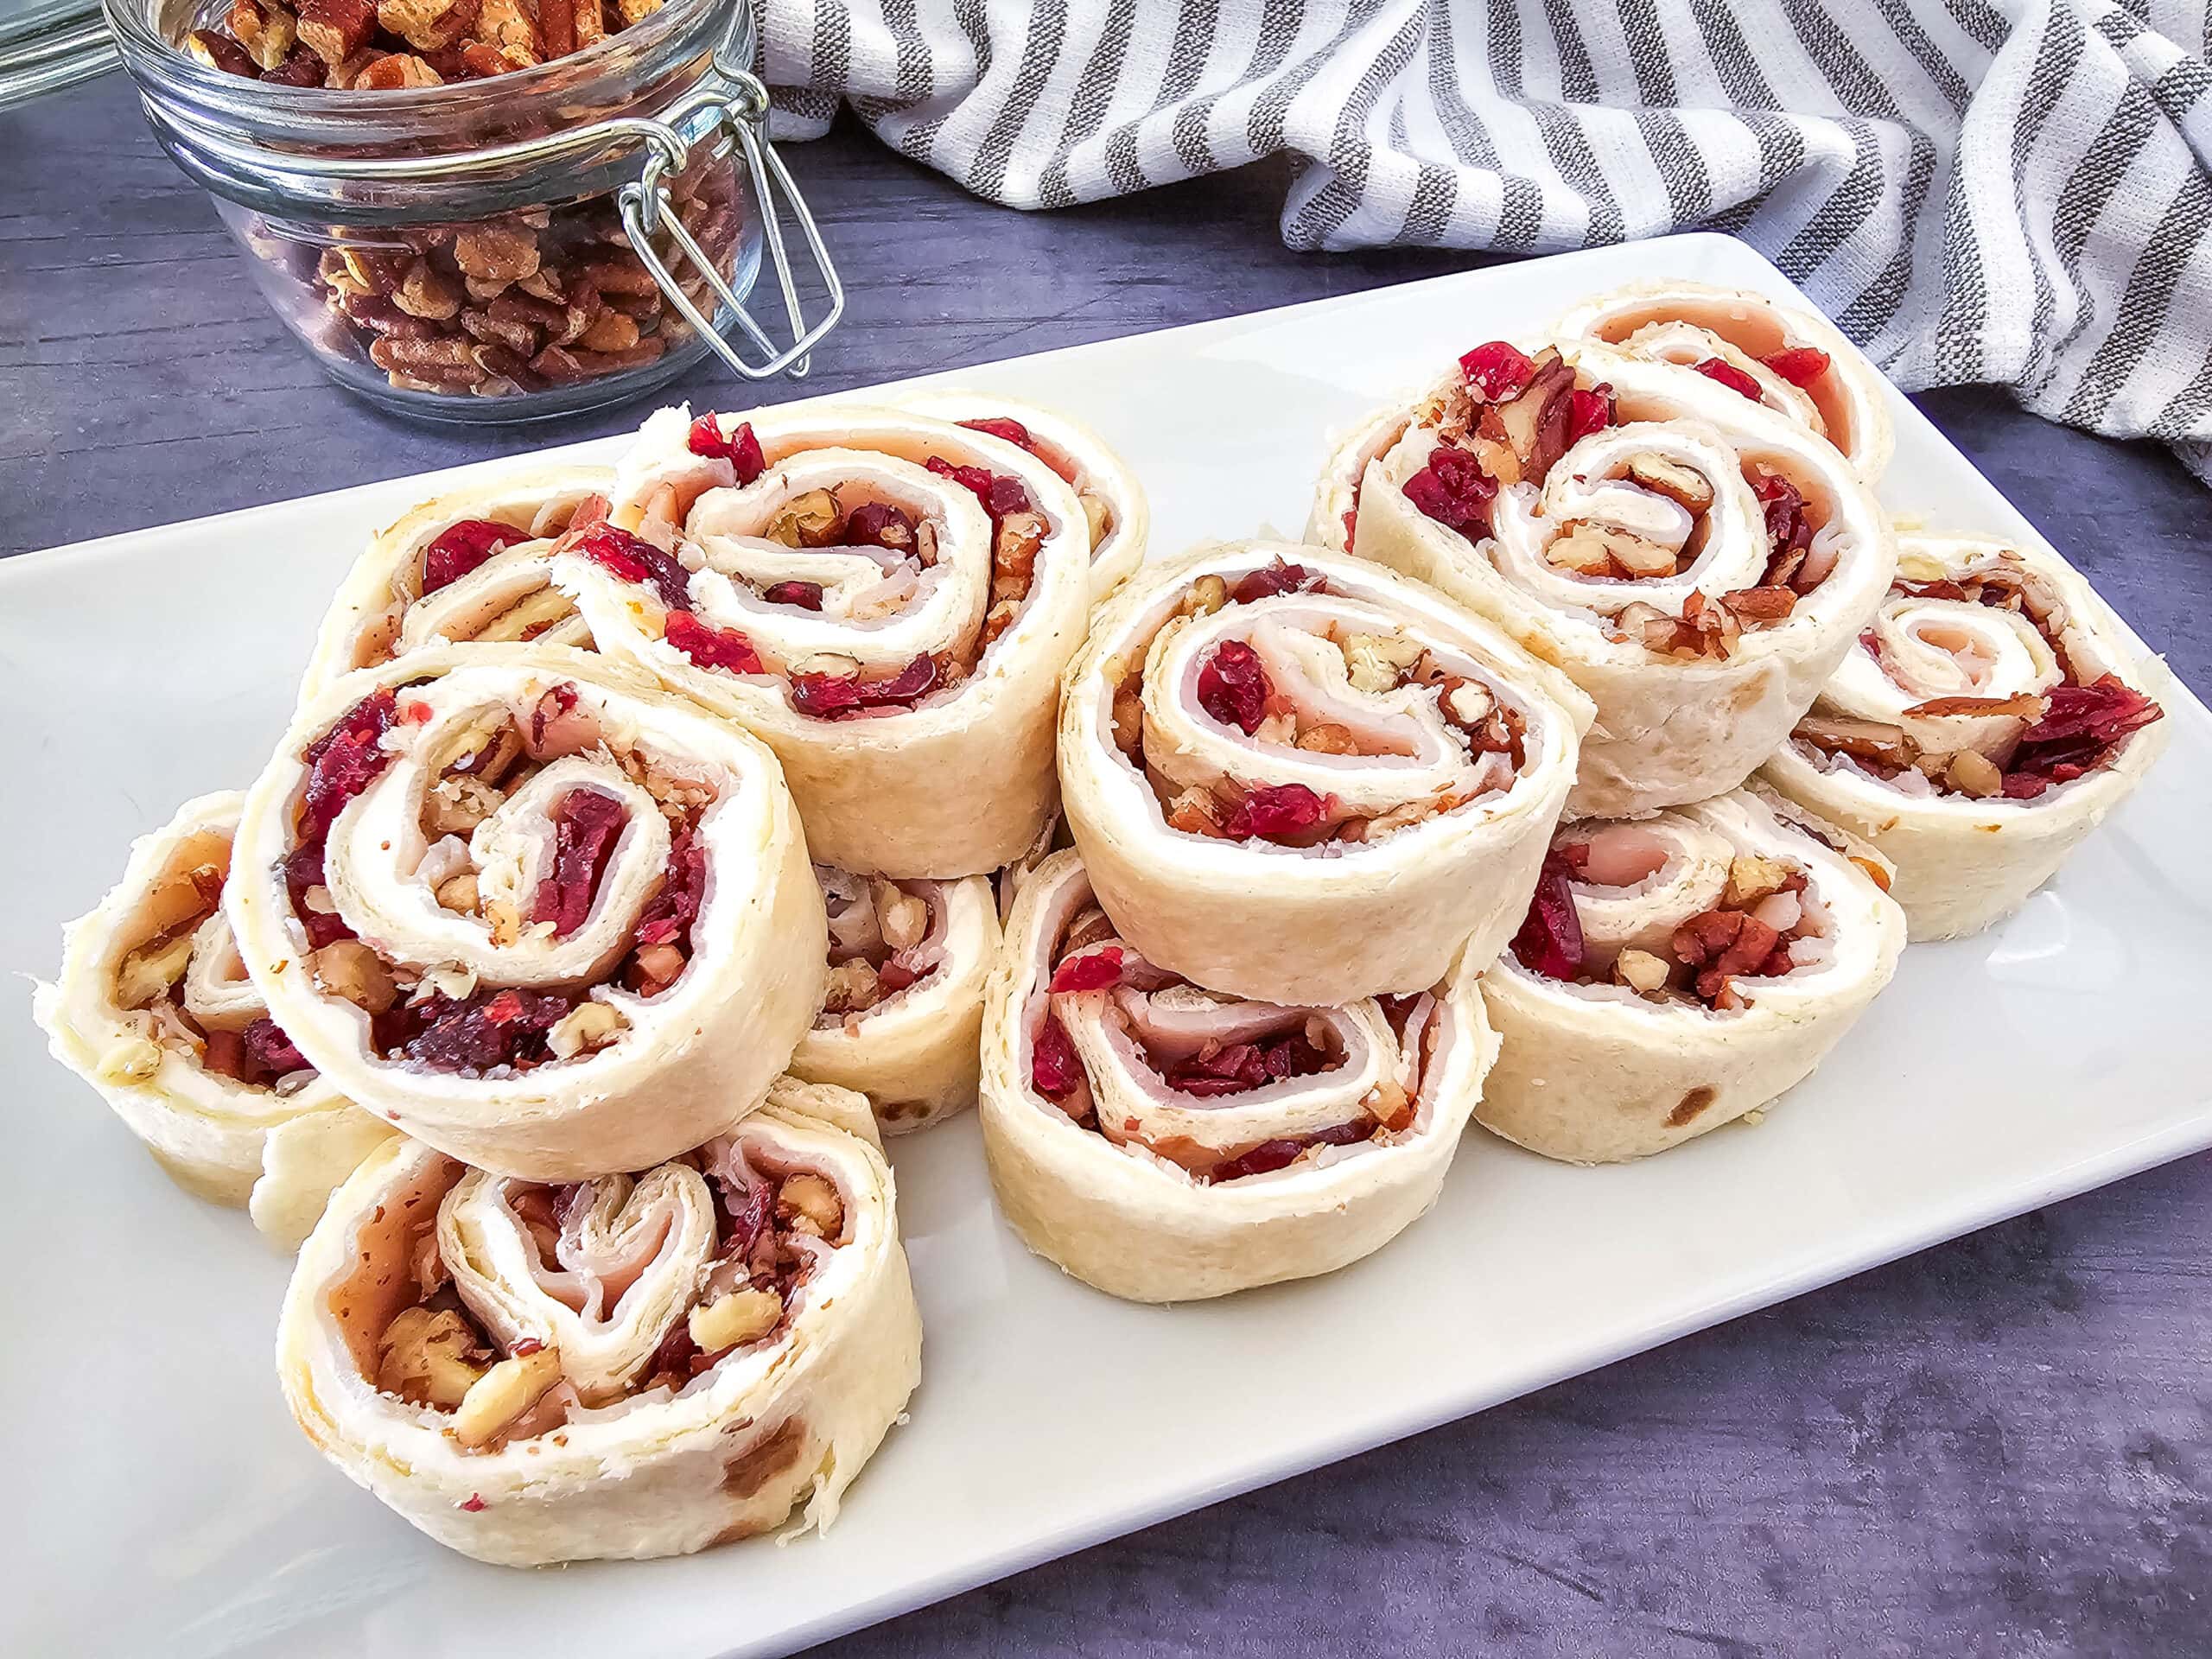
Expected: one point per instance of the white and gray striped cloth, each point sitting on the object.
(1977, 190)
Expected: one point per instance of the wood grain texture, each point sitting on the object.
(2003, 1446)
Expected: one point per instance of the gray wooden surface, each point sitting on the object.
(2002, 1447)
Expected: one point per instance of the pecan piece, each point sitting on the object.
(336, 31)
(424, 291)
(267, 33)
(220, 52)
(496, 253)
(401, 69)
(505, 24)
(427, 25)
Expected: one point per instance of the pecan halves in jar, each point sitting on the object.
(1697, 564)
(474, 565)
(153, 1008)
(908, 963)
(596, 933)
(740, 1360)
(885, 598)
(1165, 1143)
(1338, 781)
(1708, 959)
(1990, 715)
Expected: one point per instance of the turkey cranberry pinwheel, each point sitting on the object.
(1165, 1142)
(900, 1022)
(1677, 971)
(1696, 562)
(887, 599)
(1114, 502)
(552, 923)
(1992, 714)
(154, 1009)
(625, 1366)
(474, 565)
(1792, 360)
(1298, 777)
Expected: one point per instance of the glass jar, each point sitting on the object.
(517, 247)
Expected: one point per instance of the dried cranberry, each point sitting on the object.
(1000, 495)
(877, 524)
(303, 870)
(1053, 1068)
(668, 916)
(1591, 411)
(807, 595)
(1275, 810)
(461, 548)
(1271, 1156)
(1237, 1067)
(1233, 686)
(556, 704)
(1454, 491)
(269, 1052)
(1788, 528)
(486, 1028)
(710, 646)
(1799, 365)
(344, 761)
(894, 976)
(1550, 939)
(746, 1212)
(1094, 972)
(1497, 370)
(833, 696)
(634, 559)
(1728, 374)
(586, 825)
(1277, 577)
(740, 448)
(2107, 710)
(474, 1503)
(1013, 432)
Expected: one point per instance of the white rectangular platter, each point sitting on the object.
(162, 1502)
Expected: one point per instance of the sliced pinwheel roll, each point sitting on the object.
(154, 1009)
(624, 1366)
(1787, 358)
(1989, 717)
(1114, 504)
(1165, 1142)
(885, 598)
(1677, 971)
(1697, 564)
(474, 565)
(1296, 777)
(550, 922)
(905, 1008)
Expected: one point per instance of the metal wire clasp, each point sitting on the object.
(742, 112)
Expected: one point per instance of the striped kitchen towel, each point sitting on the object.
(1977, 190)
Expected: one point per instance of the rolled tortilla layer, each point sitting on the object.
(625, 1367)
(1986, 720)
(885, 598)
(907, 964)
(1799, 363)
(153, 1009)
(1696, 563)
(552, 923)
(474, 565)
(1294, 777)
(1113, 500)
(1165, 1143)
(1680, 970)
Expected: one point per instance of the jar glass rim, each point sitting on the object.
(148, 54)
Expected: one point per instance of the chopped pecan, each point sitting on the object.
(400, 69)
(267, 32)
(336, 30)
(496, 253)
(220, 52)
(506, 25)
(427, 25)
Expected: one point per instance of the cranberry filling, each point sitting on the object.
(634, 559)
(1728, 374)
(257, 1056)
(667, 917)
(1591, 411)
(1270, 1155)
(1094, 972)
(998, 426)
(586, 826)
(1000, 494)
(1788, 529)
(1277, 577)
(710, 646)
(740, 448)
(1454, 491)
(807, 595)
(1550, 939)
(2081, 726)
(344, 761)
(461, 548)
(1233, 686)
(488, 1028)
(836, 697)
(1799, 365)
(1497, 371)
(1240, 1067)
(1276, 810)
(877, 524)
(1053, 1068)
(303, 870)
